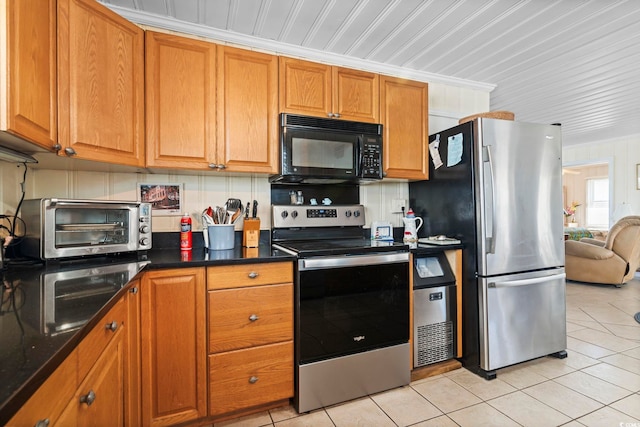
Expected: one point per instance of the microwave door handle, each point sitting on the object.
(360, 159)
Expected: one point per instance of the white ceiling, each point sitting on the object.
(575, 62)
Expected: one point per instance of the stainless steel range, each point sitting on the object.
(352, 305)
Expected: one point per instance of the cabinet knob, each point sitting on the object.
(42, 423)
(56, 147)
(336, 115)
(329, 114)
(88, 398)
(253, 275)
(111, 326)
(253, 317)
(221, 166)
(70, 151)
(134, 290)
(253, 380)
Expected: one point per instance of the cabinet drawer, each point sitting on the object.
(97, 340)
(245, 317)
(237, 276)
(245, 378)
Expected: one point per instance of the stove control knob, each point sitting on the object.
(356, 213)
(348, 213)
(294, 214)
(284, 214)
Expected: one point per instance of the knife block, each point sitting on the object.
(251, 233)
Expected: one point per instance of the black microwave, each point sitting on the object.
(318, 150)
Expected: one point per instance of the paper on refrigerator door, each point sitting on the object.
(435, 153)
(454, 150)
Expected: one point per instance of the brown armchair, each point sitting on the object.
(613, 261)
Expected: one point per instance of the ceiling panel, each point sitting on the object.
(570, 61)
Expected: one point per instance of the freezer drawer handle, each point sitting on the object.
(525, 282)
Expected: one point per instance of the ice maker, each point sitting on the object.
(434, 296)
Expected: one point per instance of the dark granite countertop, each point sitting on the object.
(34, 338)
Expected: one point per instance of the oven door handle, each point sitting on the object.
(351, 261)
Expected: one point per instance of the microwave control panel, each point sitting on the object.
(371, 158)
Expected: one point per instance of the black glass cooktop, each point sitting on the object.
(306, 248)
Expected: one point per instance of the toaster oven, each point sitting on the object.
(64, 228)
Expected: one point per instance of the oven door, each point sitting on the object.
(350, 304)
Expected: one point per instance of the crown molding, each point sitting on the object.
(279, 48)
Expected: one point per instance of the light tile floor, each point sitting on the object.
(597, 385)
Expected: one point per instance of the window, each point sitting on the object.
(597, 215)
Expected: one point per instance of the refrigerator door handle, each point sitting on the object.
(492, 241)
(526, 282)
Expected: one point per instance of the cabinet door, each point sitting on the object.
(132, 365)
(29, 83)
(247, 111)
(305, 87)
(356, 95)
(173, 346)
(100, 84)
(99, 399)
(404, 116)
(180, 101)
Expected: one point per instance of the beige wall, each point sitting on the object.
(574, 187)
(447, 102)
(624, 156)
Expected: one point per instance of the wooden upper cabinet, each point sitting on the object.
(404, 111)
(180, 101)
(305, 87)
(247, 125)
(28, 102)
(322, 90)
(356, 95)
(100, 84)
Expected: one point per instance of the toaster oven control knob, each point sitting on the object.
(348, 213)
(356, 214)
(284, 214)
(144, 229)
(144, 241)
(294, 214)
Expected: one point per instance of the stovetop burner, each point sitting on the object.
(309, 248)
(324, 230)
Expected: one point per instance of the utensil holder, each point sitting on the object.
(221, 236)
(251, 233)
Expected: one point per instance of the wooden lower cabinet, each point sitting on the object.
(91, 386)
(250, 319)
(173, 346)
(99, 399)
(250, 377)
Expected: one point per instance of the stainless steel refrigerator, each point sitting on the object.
(496, 185)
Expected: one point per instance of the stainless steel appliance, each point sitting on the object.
(62, 228)
(351, 308)
(499, 191)
(317, 150)
(434, 308)
(72, 295)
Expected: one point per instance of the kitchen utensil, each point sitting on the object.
(232, 206)
(247, 211)
(236, 216)
(254, 212)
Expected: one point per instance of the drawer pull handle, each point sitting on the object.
(43, 423)
(253, 275)
(253, 380)
(253, 317)
(88, 398)
(111, 326)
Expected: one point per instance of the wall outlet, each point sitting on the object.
(397, 205)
